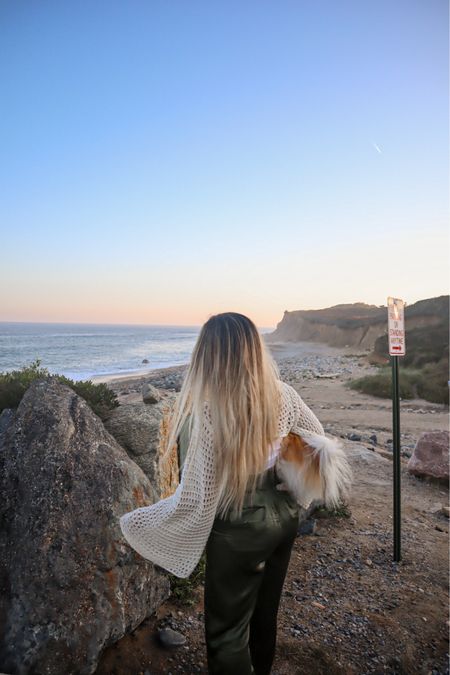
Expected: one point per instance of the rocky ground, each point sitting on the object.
(346, 608)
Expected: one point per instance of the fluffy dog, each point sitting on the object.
(314, 467)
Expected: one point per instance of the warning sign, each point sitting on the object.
(396, 326)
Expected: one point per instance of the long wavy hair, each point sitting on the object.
(232, 370)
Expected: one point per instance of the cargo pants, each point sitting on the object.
(246, 564)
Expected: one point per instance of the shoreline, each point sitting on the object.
(279, 350)
(134, 374)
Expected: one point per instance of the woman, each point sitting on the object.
(236, 410)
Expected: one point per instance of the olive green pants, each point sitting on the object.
(246, 563)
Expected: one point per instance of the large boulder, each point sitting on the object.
(430, 456)
(70, 585)
(141, 429)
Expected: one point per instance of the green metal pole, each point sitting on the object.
(396, 457)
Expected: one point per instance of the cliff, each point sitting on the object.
(356, 324)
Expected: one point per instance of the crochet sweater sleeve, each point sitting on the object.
(173, 532)
(300, 417)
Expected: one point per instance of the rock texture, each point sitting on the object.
(69, 583)
(6, 417)
(141, 430)
(431, 456)
(150, 394)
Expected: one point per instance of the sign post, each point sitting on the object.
(396, 336)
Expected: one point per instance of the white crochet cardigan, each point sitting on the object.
(173, 532)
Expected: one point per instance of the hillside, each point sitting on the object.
(427, 333)
(358, 324)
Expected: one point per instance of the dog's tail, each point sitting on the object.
(335, 472)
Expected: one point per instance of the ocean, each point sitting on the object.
(81, 351)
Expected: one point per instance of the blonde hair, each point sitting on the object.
(232, 370)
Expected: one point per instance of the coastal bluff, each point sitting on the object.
(358, 324)
(343, 325)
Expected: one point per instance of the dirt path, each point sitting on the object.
(346, 608)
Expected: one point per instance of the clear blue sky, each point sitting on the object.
(162, 161)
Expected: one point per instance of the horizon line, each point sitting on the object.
(92, 323)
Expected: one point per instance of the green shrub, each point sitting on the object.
(184, 591)
(429, 382)
(381, 384)
(433, 385)
(13, 385)
(99, 397)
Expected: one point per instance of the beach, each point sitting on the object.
(347, 608)
(320, 374)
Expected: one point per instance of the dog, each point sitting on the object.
(312, 467)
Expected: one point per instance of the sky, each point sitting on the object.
(165, 161)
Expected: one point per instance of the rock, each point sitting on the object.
(360, 454)
(373, 438)
(150, 394)
(445, 510)
(430, 456)
(164, 380)
(354, 437)
(70, 585)
(307, 527)
(141, 430)
(171, 638)
(144, 360)
(6, 417)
